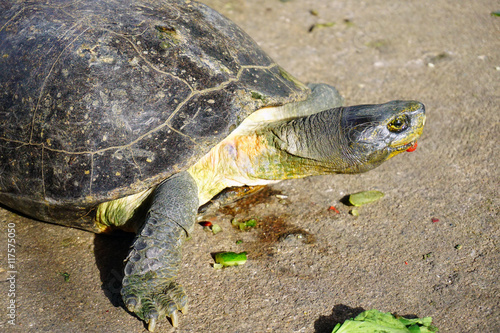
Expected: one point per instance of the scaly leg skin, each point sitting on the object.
(149, 288)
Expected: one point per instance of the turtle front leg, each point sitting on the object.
(149, 287)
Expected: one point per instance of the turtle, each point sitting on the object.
(121, 114)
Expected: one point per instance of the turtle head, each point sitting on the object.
(372, 134)
(350, 139)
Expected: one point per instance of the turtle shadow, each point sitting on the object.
(340, 313)
(345, 200)
(110, 251)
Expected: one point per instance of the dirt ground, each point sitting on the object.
(428, 248)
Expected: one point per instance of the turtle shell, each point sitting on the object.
(104, 99)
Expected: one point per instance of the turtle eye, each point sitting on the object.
(398, 124)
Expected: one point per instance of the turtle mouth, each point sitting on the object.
(413, 147)
(409, 147)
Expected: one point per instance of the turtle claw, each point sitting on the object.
(131, 304)
(152, 325)
(174, 317)
(155, 303)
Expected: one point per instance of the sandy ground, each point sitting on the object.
(310, 267)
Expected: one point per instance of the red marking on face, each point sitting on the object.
(412, 148)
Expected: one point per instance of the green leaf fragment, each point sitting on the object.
(374, 321)
(230, 258)
(495, 13)
(244, 225)
(65, 275)
(321, 25)
(251, 223)
(363, 198)
(216, 228)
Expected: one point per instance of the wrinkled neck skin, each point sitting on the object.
(297, 148)
(314, 144)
